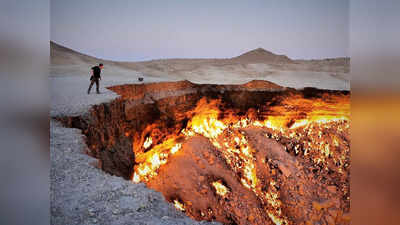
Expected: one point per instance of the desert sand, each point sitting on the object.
(257, 64)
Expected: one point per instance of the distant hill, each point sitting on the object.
(253, 64)
(60, 55)
(64, 60)
(261, 55)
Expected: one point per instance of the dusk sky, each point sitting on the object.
(127, 30)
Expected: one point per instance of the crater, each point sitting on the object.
(256, 153)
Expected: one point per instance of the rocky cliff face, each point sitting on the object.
(110, 127)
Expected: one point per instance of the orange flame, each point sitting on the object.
(295, 117)
(148, 142)
(220, 188)
(292, 113)
(179, 205)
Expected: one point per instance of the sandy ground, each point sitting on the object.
(81, 193)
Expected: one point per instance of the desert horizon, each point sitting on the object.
(254, 64)
(174, 58)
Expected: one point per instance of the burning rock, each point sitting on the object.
(220, 188)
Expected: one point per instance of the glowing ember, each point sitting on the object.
(205, 121)
(176, 148)
(303, 126)
(179, 205)
(147, 143)
(136, 178)
(220, 188)
(294, 113)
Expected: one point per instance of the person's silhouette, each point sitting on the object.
(95, 78)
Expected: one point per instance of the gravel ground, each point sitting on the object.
(69, 92)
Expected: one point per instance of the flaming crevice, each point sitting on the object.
(255, 153)
(303, 129)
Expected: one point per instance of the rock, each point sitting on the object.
(331, 189)
(201, 178)
(322, 205)
(285, 170)
(251, 218)
(330, 220)
(91, 212)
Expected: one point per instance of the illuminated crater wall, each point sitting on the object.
(255, 153)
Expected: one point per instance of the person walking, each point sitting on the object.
(95, 78)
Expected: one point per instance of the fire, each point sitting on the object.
(296, 111)
(220, 188)
(205, 120)
(147, 143)
(239, 154)
(302, 120)
(176, 148)
(149, 162)
(136, 178)
(179, 205)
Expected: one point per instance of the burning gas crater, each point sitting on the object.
(285, 162)
(256, 153)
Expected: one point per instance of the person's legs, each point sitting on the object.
(90, 86)
(97, 86)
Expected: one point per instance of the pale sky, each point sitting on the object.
(132, 30)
